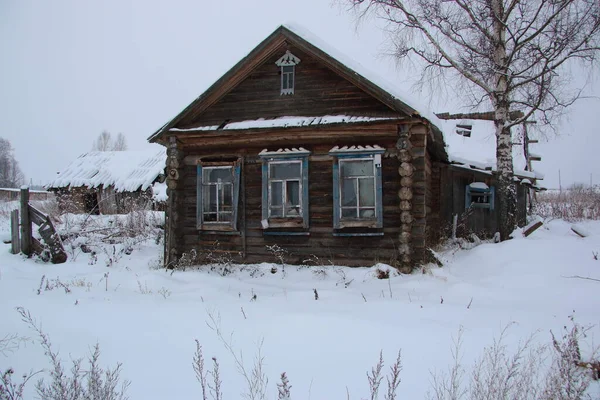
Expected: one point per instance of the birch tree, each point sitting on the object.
(505, 54)
(11, 175)
(105, 142)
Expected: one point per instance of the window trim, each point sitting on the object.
(301, 221)
(490, 192)
(217, 225)
(373, 155)
(287, 60)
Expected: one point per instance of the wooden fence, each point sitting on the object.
(23, 241)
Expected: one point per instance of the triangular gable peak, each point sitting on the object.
(339, 86)
(287, 60)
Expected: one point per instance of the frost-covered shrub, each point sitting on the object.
(574, 204)
(94, 382)
(521, 374)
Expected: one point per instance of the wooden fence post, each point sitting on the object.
(25, 223)
(15, 242)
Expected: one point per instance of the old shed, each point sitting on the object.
(110, 182)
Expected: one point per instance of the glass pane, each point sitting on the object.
(277, 211)
(210, 198)
(291, 80)
(225, 217)
(292, 203)
(276, 193)
(212, 217)
(349, 192)
(367, 213)
(226, 196)
(285, 171)
(288, 69)
(284, 81)
(356, 168)
(214, 175)
(348, 212)
(366, 188)
(293, 193)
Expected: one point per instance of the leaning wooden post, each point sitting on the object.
(15, 241)
(25, 222)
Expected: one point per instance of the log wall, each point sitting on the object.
(352, 251)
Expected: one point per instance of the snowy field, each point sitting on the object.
(147, 318)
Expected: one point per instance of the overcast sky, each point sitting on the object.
(70, 69)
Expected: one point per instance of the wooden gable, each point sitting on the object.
(251, 89)
(318, 91)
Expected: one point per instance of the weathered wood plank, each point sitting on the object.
(15, 241)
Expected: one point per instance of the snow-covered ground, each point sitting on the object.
(147, 318)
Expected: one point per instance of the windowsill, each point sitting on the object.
(296, 222)
(217, 227)
(480, 205)
(347, 234)
(357, 224)
(285, 233)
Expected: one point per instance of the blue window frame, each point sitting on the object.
(285, 199)
(217, 193)
(357, 188)
(479, 195)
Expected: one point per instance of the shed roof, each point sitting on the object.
(126, 171)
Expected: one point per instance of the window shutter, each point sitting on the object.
(199, 197)
(379, 194)
(305, 197)
(336, 194)
(236, 193)
(265, 190)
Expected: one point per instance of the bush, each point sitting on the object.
(574, 204)
(95, 383)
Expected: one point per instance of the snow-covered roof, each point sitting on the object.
(478, 151)
(284, 122)
(126, 171)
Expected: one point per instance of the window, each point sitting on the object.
(357, 187)
(217, 193)
(287, 63)
(479, 195)
(285, 183)
(287, 79)
(285, 188)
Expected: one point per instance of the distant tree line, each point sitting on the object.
(105, 142)
(11, 175)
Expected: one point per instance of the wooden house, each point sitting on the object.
(296, 147)
(110, 182)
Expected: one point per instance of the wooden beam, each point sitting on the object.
(25, 223)
(487, 115)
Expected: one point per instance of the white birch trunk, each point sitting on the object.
(504, 162)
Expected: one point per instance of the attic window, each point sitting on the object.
(287, 63)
